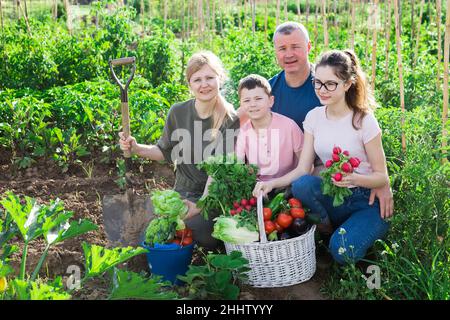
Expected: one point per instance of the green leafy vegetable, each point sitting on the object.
(227, 230)
(232, 179)
(168, 203)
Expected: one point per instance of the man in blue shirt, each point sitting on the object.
(294, 93)
(293, 89)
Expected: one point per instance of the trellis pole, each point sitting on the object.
(445, 87)
(400, 71)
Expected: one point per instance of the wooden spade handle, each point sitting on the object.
(123, 61)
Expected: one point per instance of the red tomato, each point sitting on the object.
(284, 220)
(267, 213)
(297, 213)
(295, 203)
(184, 233)
(269, 226)
(186, 241)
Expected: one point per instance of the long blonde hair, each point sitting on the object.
(222, 108)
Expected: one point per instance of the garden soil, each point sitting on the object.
(82, 193)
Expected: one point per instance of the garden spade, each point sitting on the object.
(126, 215)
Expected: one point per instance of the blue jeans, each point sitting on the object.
(358, 224)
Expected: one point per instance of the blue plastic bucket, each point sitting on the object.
(169, 261)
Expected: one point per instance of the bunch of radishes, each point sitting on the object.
(244, 204)
(340, 164)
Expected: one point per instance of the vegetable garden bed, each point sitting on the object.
(82, 195)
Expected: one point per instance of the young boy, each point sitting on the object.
(269, 140)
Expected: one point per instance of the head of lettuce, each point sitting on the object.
(227, 230)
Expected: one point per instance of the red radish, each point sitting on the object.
(335, 157)
(328, 163)
(337, 150)
(239, 210)
(354, 162)
(236, 205)
(244, 202)
(337, 176)
(253, 202)
(346, 167)
(232, 212)
(248, 207)
(346, 153)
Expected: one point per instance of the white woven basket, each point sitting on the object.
(278, 263)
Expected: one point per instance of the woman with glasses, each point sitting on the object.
(345, 119)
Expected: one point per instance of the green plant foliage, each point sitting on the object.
(99, 259)
(130, 285)
(218, 278)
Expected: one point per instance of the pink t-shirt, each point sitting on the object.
(272, 149)
(330, 133)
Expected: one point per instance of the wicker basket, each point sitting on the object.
(278, 263)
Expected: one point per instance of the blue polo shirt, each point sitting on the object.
(293, 103)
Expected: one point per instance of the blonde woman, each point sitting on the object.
(194, 130)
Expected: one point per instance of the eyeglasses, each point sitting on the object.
(329, 85)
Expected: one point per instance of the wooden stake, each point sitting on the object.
(200, 19)
(165, 15)
(352, 35)
(307, 11)
(68, 15)
(1, 14)
(416, 48)
(278, 13)
(374, 44)
(388, 39)
(445, 87)
(213, 26)
(188, 24)
(325, 24)
(316, 29)
(19, 6)
(253, 7)
(25, 7)
(142, 7)
(335, 21)
(55, 9)
(265, 18)
(439, 57)
(400, 71)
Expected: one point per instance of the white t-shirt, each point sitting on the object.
(340, 133)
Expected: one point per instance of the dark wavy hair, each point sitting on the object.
(347, 67)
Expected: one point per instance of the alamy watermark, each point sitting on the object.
(74, 280)
(374, 280)
(194, 147)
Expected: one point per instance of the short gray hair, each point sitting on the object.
(290, 26)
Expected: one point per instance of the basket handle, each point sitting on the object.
(259, 210)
